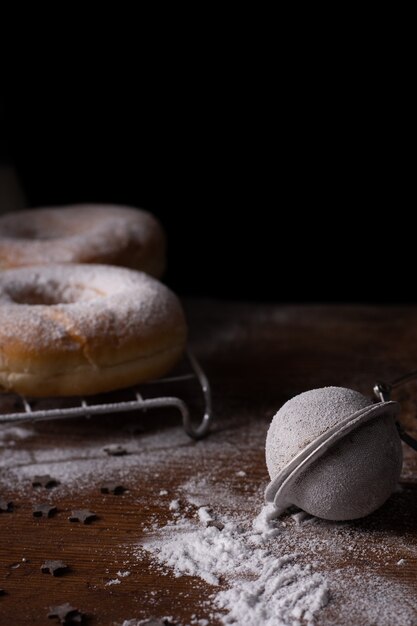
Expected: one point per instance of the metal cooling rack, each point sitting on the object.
(84, 409)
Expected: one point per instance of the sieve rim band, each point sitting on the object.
(279, 489)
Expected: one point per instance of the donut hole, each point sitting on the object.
(53, 293)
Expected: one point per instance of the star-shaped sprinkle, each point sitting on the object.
(82, 515)
(6, 506)
(43, 510)
(56, 568)
(45, 481)
(66, 614)
(215, 523)
(114, 488)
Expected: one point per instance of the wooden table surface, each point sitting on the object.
(256, 356)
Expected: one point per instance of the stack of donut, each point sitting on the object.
(81, 309)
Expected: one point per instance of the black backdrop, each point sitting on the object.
(258, 202)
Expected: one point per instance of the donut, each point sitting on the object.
(83, 329)
(83, 233)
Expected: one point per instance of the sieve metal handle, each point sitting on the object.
(382, 392)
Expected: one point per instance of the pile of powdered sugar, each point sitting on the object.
(256, 586)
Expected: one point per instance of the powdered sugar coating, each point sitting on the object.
(91, 316)
(85, 233)
(91, 295)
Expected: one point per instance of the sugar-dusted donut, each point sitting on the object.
(83, 233)
(84, 329)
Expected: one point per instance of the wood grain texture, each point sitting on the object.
(256, 356)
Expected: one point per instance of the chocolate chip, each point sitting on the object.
(6, 506)
(114, 488)
(43, 510)
(82, 515)
(115, 450)
(215, 523)
(66, 614)
(2, 592)
(44, 481)
(56, 568)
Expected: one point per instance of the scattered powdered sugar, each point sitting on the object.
(256, 570)
(277, 572)
(284, 593)
(204, 514)
(76, 463)
(145, 622)
(10, 434)
(299, 517)
(261, 588)
(264, 525)
(117, 581)
(370, 599)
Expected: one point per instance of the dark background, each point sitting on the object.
(288, 198)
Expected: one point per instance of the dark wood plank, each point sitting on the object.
(257, 356)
